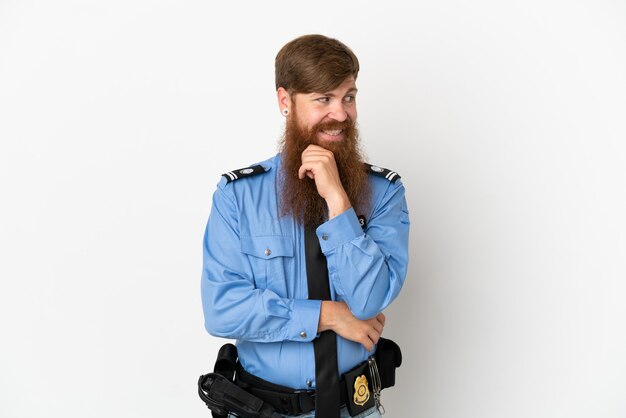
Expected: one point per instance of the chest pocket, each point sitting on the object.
(270, 256)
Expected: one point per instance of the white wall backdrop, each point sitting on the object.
(505, 119)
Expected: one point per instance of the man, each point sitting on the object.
(313, 216)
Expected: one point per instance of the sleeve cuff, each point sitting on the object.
(306, 318)
(341, 229)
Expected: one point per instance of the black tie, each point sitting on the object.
(327, 397)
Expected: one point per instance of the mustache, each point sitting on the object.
(333, 125)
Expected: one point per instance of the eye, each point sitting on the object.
(324, 99)
(349, 99)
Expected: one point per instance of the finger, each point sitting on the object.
(318, 151)
(373, 336)
(377, 325)
(322, 152)
(316, 158)
(301, 171)
(381, 318)
(306, 170)
(367, 344)
(313, 147)
(363, 335)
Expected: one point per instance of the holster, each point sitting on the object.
(221, 395)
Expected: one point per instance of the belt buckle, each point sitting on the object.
(308, 393)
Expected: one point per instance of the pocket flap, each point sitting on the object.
(267, 246)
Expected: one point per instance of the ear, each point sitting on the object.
(284, 99)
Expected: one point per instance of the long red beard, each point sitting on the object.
(299, 197)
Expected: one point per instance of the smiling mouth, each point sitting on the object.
(334, 132)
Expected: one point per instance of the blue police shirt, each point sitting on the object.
(254, 283)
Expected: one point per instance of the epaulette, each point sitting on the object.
(392, 176)
(243, 172)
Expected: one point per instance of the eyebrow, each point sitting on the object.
(352, 90)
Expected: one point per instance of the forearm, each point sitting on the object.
(361, 273)
(236, 310)
(367, 268)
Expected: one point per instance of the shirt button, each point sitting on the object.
(268, 252)
(324, 237)
(309, 382)
(303, 334)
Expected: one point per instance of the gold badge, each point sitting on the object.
(361, 391)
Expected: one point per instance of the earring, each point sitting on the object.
(285, 112)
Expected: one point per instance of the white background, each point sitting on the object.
(505, 119)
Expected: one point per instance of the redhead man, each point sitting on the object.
(304, 251)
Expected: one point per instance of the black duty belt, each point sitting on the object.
(359, 387)
(252, 397)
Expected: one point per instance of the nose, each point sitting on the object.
(338, 112)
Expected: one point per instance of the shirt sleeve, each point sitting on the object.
(233, 306)
(367, 268)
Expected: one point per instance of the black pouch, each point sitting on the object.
(226, 361)
(388, 357)
(358, 389)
